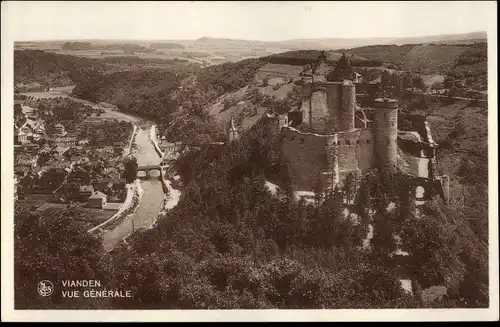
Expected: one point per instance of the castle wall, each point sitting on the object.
(334, 101)
(329, 157)
(306, 153)
(355, 153)
(320, 112)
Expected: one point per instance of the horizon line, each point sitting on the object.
(243, 39)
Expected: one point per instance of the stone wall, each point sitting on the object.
(306, 153)
(336, 155)
(355, 153)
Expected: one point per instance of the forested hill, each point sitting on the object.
(426, 58)
(41, 66)
(50, 69)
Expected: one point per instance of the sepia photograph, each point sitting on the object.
(164, 161)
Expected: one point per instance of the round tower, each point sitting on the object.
(386, 133)
(347, 108)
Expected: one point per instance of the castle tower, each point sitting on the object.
(233, 132)
(347, 108)
(386, 133)
(341, 101)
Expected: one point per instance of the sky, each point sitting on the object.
(259, 20)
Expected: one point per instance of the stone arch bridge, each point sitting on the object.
(148, 168)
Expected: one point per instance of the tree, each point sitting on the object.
(418, 83)
(386, 79)
(449, 82)
(350, 187)
(397, 82)
(55, 249)
(130, 173)
(407, 81)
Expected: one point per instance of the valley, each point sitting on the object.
(248, 139)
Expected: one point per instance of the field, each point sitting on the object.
(202, 54)
(432, 79)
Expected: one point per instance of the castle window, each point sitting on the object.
(357, 142)
(387, 142)
(347, 142)
(367, 141)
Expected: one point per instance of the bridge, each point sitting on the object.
(148, 168)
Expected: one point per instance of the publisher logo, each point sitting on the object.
(45, 288)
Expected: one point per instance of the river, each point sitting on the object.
(152, 192)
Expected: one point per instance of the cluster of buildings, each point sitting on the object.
(342, 131)
(40, 155)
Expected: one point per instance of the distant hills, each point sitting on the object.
(339, 43)
(302, 44)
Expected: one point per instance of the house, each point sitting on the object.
(113, 174)
(85, 191)
(97, 200)
(31, 148)
(23, 133)
(59, 130)
(39, 127)
(118, 145)
(171, 147)
(21, 171)
(83, 141)
(25, 160)
(57, 164)
(66, 140)
(27, 111)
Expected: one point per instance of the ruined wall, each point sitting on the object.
(317, 117)
(333, 107)
(334, 101)
(306, 153)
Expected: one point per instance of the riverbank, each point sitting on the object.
(172, 196)
(152, 137)
(128, 149)
(129, 206)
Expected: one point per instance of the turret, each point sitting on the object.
(386, 133)
(233, 132)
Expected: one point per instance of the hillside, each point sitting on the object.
(43, 67)
(424, 58)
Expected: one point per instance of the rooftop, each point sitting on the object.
(97, 195)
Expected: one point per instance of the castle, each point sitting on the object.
(331, 139)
